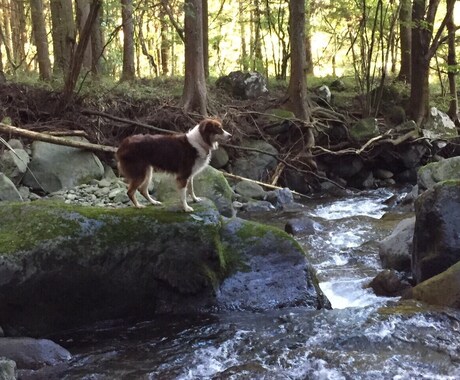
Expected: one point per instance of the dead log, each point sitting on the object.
(8, 129)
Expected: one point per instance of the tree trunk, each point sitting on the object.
(256, 43)
(128, 71)
(78, 56)
(195, 93)
(424, 47)
(452, 65)
(405, 31)
(297, 90)
(41, 42)
(18, 31)
(97, 45)
(64, 34)
(82, 11)
(308, 52)
(165, 43)
(205, 38)
(242, 22)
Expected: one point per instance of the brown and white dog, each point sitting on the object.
(183, 155)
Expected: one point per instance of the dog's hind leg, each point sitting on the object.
(134, 184)
(144, 187)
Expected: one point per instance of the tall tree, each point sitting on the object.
(40, 38)
(164, 43)
(82, 11)
(205, 38)
(18, 30)
(405, 33)
(297, 90)
(452, 69)
(424, 47)
(128, 71)
(194, 97)
(97, 45)
(63, 32)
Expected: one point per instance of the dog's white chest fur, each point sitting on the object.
(204, 155)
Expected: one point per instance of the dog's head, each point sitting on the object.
(212, 132)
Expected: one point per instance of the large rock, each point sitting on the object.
(255, 164)
(14, 163)
(250, 85)
(7, 369)
(65, 265)
(364, 129)
(209, 183)
(438, 125)
(437, 230)
(29, 353)
(431, 174)
(8, 192)
(443, 289)
(54, 167)
(396, 249)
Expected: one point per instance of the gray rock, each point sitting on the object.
(412, 155)
(29, 353)
(438, 125)
(395, 250)
(436, 244)
(219, 158)
(255, 165)
(54, 167)
(248, 85)
(302, 226)
(8, 191)
(272, 273)
(7, 369)
(14, 164)
(389, 284)
(258, 206)
(250, 190)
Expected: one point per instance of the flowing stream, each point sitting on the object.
(363, 337)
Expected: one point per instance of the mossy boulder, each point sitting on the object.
(442, 290)
(435, 172)
(63, 265)
(364, 129)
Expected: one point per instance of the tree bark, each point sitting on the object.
(205, 38)
(18, 31)
(165, 42)
(452, 65)
(405, 32)
(41, 42)
(128, 71)
(82, 11)
(194, 98)
(97, 45)
(64, 34)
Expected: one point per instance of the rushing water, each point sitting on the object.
(363, 337)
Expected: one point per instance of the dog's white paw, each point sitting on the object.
(155, 203)
(187, 208)
(197, 199)
(139, 206)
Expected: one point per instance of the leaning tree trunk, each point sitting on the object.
(97, 45)
(128, 71)
(195, 93)
(41, 42)
(18, 31)
(82, 11)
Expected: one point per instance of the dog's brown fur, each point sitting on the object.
(183, 155)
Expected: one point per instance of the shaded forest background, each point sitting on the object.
(77, 54)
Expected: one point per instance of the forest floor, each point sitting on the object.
(157, 104)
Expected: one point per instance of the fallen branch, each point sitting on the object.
(127, 121)
(56, 140)
(267, 185)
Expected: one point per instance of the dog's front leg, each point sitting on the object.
(192, 192)
(182, 186)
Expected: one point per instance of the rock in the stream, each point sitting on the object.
(7, 369)
(65, 265)
(395, 250)
(29, 353)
